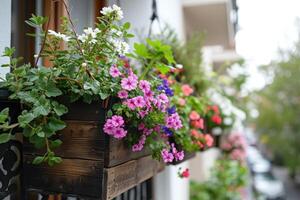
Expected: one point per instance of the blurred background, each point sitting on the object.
(249, 51)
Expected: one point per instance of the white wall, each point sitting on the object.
(5, 33)
(138, 13)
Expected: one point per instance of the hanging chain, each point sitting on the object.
(154, 17)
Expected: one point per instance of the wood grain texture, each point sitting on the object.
(123, 177)
(72, 176)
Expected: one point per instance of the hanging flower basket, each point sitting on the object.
(94, 164)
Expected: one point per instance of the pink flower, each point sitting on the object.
(144, 86)
(181, 101)
(173, 121)
(156, 128)
(129, 83)
(137, 147)
(143, 113)
(123, 94)
(114, 71)
(166, 156)
(119, 133)
(187, 90)
(139, 101)
(147, 131)
(163, 98)
(141, 126)
(131, 104)
(198, 123)
(148, 94)
(179, 155)
(194, 115)
(209, 140)
(118, 120)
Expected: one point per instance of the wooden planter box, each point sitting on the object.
(94, 165)
(10, 153)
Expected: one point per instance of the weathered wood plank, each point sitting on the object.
(118, 152)
(81, 140)
(121, 178)
(72, 176)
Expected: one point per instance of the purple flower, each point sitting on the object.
(123, 94)
(171, 110)
(167, 131)
(169, 92)
(165, 83)
(129, 83)
(160, 87)
(114, 71)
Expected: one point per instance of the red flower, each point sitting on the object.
(184, 174)
(216, 119)
(215, 108)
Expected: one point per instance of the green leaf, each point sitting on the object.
(109, 113)
(38, 160)
(55, 143)
(4, 115)
(41, 134)
(4, 137)
(126, 25)
(59, 109)
(8, 51)
(141, 50)
(104, 95)
(53, 160)
(52, 90)
(25, 119)
(55, 124)
(41, 110)
(164, 69)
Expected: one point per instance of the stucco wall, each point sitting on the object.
(5, 23)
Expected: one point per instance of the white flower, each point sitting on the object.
(116, 32)
(82, 37)
(92, 41)
(91, 32)
(116, 9)
(88, 31)
(84, 64)
(59, 35)
(179, 66)
(121, 47)
(96, 30)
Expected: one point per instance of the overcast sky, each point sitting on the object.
(265, 26)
